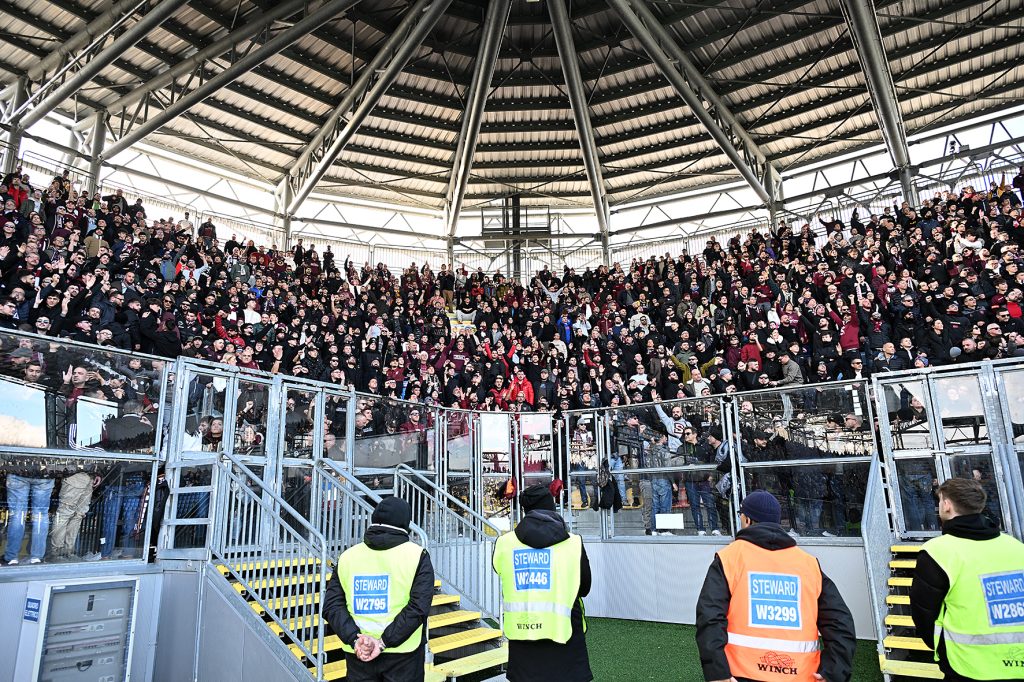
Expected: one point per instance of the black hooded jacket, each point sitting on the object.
(545, 660)
(835, 622)
(931, 584)
(408, 620)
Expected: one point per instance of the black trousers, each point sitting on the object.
(386, 668)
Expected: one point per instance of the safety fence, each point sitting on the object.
(151, 437)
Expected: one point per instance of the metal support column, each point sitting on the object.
(282, 198)
(17, 127)
(867, 39)
(99, 138)
(704, 103)
(280, 41)
(562, 27)
(486, 57)
(60, 93)
(363, 96)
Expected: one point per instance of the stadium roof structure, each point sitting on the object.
(451, 103)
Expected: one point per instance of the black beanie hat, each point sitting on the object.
(537, 497)
(393, 511)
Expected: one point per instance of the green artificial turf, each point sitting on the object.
(631, 651)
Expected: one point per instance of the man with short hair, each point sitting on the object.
(765, 603)
(967, 598)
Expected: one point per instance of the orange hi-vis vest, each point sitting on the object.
(773, 612)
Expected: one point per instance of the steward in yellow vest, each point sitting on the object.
(379, 597)
(766, 612)
(967, 598)
(544, 575)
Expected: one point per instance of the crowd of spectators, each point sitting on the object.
(929, 284)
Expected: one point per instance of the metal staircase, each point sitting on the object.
(905, 655)
(279, 562)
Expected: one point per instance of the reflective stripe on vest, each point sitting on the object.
(982, 616)
(788, 645)
(377, 584)
(773, 612)
(539, 587)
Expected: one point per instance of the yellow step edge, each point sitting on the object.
(339, 669)
(268, 563)
(903, 563)
(901, 582)
(899, 549)
(295, 623)
(445, 599)
(437, 584)
(333, 671)
(909, 643)
(929, 671)
(899, 621)
(898, 599)
(448, 618)
(464, 638)
(330, 644)
(278, 603)
(475, 663)
(278, 582)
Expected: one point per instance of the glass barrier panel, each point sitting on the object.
(299, 418)
(70, 509)
(813, 422)
(979, 468)
(204, 421)
(818, 500)
(918, 482)
(391, 432)
(296, 490)
(60, 396)
(252, 407)
(335, 420)
(958, 400)
(459, 444)
(1013, 384)
(906, 404)
(192, 506)
(539, 465)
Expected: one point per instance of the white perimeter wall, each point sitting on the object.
(660, 581)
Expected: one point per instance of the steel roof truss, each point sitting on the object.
(479, 89)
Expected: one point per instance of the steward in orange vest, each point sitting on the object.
(767, 613)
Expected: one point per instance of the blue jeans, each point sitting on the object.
(661, 502)
(120, 506)
(701, 497)
(19, 490)
(810, 513)
(918, 503)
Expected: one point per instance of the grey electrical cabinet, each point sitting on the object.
(78, 631)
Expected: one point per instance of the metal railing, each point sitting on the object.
(878, 541)
(460, 540)
(274, 554)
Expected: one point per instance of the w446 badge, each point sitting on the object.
(532, 569)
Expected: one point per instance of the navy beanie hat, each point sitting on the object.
(762, 507)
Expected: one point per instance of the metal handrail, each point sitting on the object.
(878, 539)
(268, 546)
(329, 476)
(461, 546)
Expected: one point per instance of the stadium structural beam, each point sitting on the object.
(215, 49)
(16, 132)
(99, 138)
(313, 19)
(562, 27)
(479, 88)
(377, 76)
(59, 92)
(283, 197)
(704, 103)
(867, 40)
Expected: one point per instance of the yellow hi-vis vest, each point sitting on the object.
(377, 585)
(538, 587)
(982, 618)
